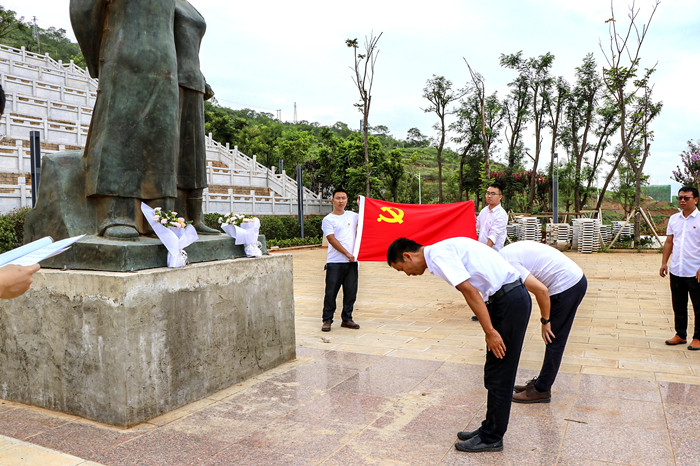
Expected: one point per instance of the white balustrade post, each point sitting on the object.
(19, 150)
(252, 197)
(230, 200)
(207, 197)
(210, 172)
(22, 182)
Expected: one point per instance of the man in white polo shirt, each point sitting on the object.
(494, 292)
(559, 286)
(340, 227)
(683, 240)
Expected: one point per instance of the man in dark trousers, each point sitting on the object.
(683, 240)
(559, 286)
(340, 227)
(493, 290)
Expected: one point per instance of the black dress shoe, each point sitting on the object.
(467, 435)
(476, 445)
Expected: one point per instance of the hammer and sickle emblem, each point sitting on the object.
(396, 215)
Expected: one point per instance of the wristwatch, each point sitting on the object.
(544, 321)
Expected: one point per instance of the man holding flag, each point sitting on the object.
(340, 227)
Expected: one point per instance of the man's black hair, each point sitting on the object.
(496, 185)
(396, 249)
(689, 189)
(339, 190)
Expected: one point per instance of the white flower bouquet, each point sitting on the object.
(175, 233)
(245, 230)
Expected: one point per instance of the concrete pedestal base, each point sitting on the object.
(121, 348)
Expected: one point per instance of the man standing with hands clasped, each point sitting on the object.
(339, 227)
(493, 290)
(683, 240)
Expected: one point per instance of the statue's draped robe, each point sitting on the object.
(132, 146)
(189, 30)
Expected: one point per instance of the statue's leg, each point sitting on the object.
(193, 203)
(118, 217)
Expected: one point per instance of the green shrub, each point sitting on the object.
(12, 229)
(286, 243)
(312, 226)
(277, 228)
(212, 220)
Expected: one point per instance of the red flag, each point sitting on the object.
(381, 222)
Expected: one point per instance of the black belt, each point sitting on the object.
(505, 289)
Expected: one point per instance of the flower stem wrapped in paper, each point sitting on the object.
(245, 230)
(175, 233)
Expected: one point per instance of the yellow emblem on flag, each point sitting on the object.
(396, 215)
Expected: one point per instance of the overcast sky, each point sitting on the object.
(269, 55)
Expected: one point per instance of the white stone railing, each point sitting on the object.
(55, 132)
(241, 165)
(49, 109)
(15, 196)
(43, 64)
(45, 90)
(254, 204)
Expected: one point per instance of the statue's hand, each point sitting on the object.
(208, 91)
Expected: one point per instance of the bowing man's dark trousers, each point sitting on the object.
(563, 311)
(509, 316)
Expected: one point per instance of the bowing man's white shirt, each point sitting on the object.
(556, 271)
(456, 260)
(491, 224)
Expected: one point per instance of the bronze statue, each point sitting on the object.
(146, 139)
(191, 168)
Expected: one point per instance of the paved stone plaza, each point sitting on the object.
(397, 390)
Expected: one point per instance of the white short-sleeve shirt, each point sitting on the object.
(556, 271)
(344, 228)
(491, 224)
(458, 259)
(685, 261)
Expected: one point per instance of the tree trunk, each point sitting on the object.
(439, 157)
(607, 181)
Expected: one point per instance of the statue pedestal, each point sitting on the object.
(121, 348)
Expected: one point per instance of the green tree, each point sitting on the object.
(468, 130)
(293, 147)
(363, 78)
(688, 173)
(534, 72)
(516, 109)
(414, 138)
(580, 116)
(9, 23)
(438, 91)
(632, 93)
(393, 171)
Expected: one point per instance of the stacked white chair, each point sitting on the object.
(588, 236)
(529, 229)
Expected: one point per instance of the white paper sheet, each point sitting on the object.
(36, 251)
